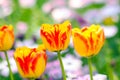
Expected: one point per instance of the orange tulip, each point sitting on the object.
(89, 40)
(6, 37)
(56, 37)
(31, 63)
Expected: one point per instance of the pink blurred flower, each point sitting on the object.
(22, 27)
(61, 14)
(10, 54)
(112, 2)
(47, 7)
(53, 69)
(50, 5)
(58, 3)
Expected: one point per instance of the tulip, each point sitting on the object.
(6, 42)
(88, 41)
(31, 63)
(56, 37)
(6, 37)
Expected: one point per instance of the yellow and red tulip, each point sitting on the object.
(6, 37)
(31, 63)
(89, 40)
(56, 37)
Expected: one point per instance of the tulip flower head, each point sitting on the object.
(6, 37)
(31, 63)
(89, 40)
(56, 37)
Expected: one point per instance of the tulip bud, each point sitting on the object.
(89, 40)
(56, 37)
(31, 63)
(6, 37)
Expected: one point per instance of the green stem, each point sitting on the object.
(11, 75)
(90, 68)
(62, 67)
(110, 72)
(32, 78)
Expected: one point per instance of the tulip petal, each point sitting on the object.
(81, 45)
(101, 39)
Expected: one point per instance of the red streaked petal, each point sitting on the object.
(3, 28)
(34, 61)
(23, 65)
(84, 29)
(91, 41)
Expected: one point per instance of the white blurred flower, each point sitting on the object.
(110, 31)
(4, 68)
(3, 64)
(100, 77)
(27, 3)
(99, 1)
(98, 16)
(95, 77)
(61, 14)
(5, 8)
(47, 7)
(82, 3)
(70, 76)
(87, 77)
(5, 71)
(110, 11)
(93, 16)
(72, 63)
(77, 3)
(28, 43)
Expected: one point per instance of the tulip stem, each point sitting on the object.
(11, 75)
(90, 68)
(62, 67)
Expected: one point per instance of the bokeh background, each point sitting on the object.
(27, 16)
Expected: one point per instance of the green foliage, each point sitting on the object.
(16, 77)
(90, 7)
